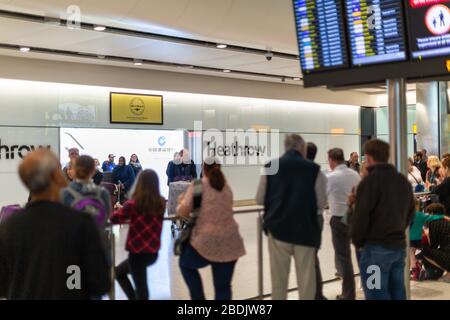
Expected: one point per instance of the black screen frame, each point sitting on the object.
(346, 64)
(405, 38)
(411, 52)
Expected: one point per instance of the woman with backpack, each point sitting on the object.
(215, 238)
(144, 213)
(415, 177)
(82, 194)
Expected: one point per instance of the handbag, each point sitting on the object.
(186, 231)
(419, 187)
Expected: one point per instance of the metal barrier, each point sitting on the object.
(260, 250)
(259, 227)
(259, 210)
(112, 250)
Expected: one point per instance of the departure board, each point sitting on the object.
(429, 28)
(320, 31)
(376, 30)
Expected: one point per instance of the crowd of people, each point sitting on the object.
(62, 228)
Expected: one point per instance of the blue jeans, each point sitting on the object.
(382, 272)
(191, 261)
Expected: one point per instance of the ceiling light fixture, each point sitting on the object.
(138, 62)
(24, 49)
(221, 46)
(101, 57)
(226, 71)
(297, 79)
(99, 28)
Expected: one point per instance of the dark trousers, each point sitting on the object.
(136, 265)
(343, 256)
(191, 261)
(319, 281)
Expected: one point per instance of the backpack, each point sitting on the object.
(429, 272)
(8, 211)
(91, 203)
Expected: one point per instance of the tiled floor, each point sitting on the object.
(165, 281)
(426, 290)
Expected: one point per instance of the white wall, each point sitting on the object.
(11, 189)
(137, 78)
(41, 104)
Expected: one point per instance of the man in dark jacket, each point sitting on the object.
(421, 164)
(48, 251)
(293, 197)
(384, 209)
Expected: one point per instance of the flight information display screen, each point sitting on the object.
(320, 31)
(376, 30)
(429, 27)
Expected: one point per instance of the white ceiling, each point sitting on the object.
(256, 24)
(259, 24)
(248, 23)
(33, 34)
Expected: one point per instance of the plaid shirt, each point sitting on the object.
(144, 235)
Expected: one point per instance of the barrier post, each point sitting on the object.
(260, 256)
(112, 244)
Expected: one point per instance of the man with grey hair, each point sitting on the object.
(292, 198)
(48, 251)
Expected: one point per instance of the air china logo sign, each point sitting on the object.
(14, 152)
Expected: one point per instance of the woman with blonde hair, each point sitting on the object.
(433, 177)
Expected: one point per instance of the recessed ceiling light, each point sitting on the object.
(101, 57)
(297, 79)
(227, 71)
(99, 28)
(138, 62)
(221, 46)
(24, 49)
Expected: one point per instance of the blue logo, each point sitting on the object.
(162, 141)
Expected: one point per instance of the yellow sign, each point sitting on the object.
(448, 65)
(132, 108)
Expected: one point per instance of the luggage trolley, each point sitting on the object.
(175, 190)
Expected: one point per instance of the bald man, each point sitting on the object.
(49, 251)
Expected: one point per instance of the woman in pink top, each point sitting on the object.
(215, 238)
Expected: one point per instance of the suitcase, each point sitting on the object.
(175, 190)
(8, 211)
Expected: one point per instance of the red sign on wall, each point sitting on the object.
(423, 3)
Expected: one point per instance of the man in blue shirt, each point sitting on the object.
(109, 165)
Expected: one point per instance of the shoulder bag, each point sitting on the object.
(186, 230)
